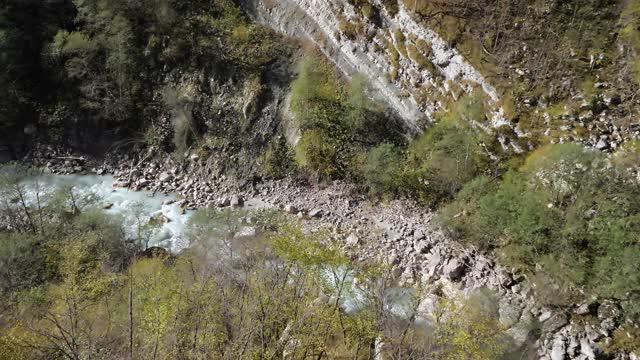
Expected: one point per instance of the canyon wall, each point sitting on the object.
(409, 67)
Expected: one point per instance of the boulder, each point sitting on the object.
(223, 202)
(434, 263)
(428, 306)
(555, 322)
(607, 325)
(122, 183)
(602, 144)
(422, 247)
(589, 350)
(558, 351)
(418, 235)
(454, 269)
(593, 334)
(609, 310)
(509, 313)
(520, 334)
(237, 201)
(545, 314)
(246, 231)
(142, 182)
(165, 177)
(392, 259)
(352, 240)
(585, 308)
(290, 209)
(158, 219)
(316, 213)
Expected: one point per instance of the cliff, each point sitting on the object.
(409, 66)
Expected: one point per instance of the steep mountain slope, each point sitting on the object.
(549, 71)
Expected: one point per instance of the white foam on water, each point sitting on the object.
(100, 189)
(169, 235)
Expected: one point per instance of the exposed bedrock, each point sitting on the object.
(409, 66)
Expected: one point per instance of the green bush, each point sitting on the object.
(565, 215)
(22, 262)
(316, 94)
(391, 6)
(363, 119)
(335, 116)
(444, 158)
(278, 159)
(627, 157)
(382, 169)
(317, 153)
(630, 33)
(454, 216)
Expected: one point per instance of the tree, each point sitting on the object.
(25, 26)
(99, 58)
(465, 330)
(72, 318)
(144, 226)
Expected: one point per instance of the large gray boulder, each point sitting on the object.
(165, 177)
(558, 351)
(454, 269)
(509, 313)
(352, 240)
(555, 322)
(237, 201)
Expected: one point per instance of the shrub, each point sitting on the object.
(357, 103)
(467, 330)
(334, 116)
(630, 33)
(363, 119)
(444, 158)
(278, 159)
(382, 170)
(182, 119)
(564, 215)
(391, 6)
(625, 339)
(456, 217)
(22, 262)
(421, 60)
(627, 156)
(316, 94)
(317, 153)
(348, 28)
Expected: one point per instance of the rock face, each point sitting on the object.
(442, 72)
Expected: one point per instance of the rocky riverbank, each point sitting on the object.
(398, 233)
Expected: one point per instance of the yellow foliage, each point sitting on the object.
(535, 157)
(465, 331)
(625, 339)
